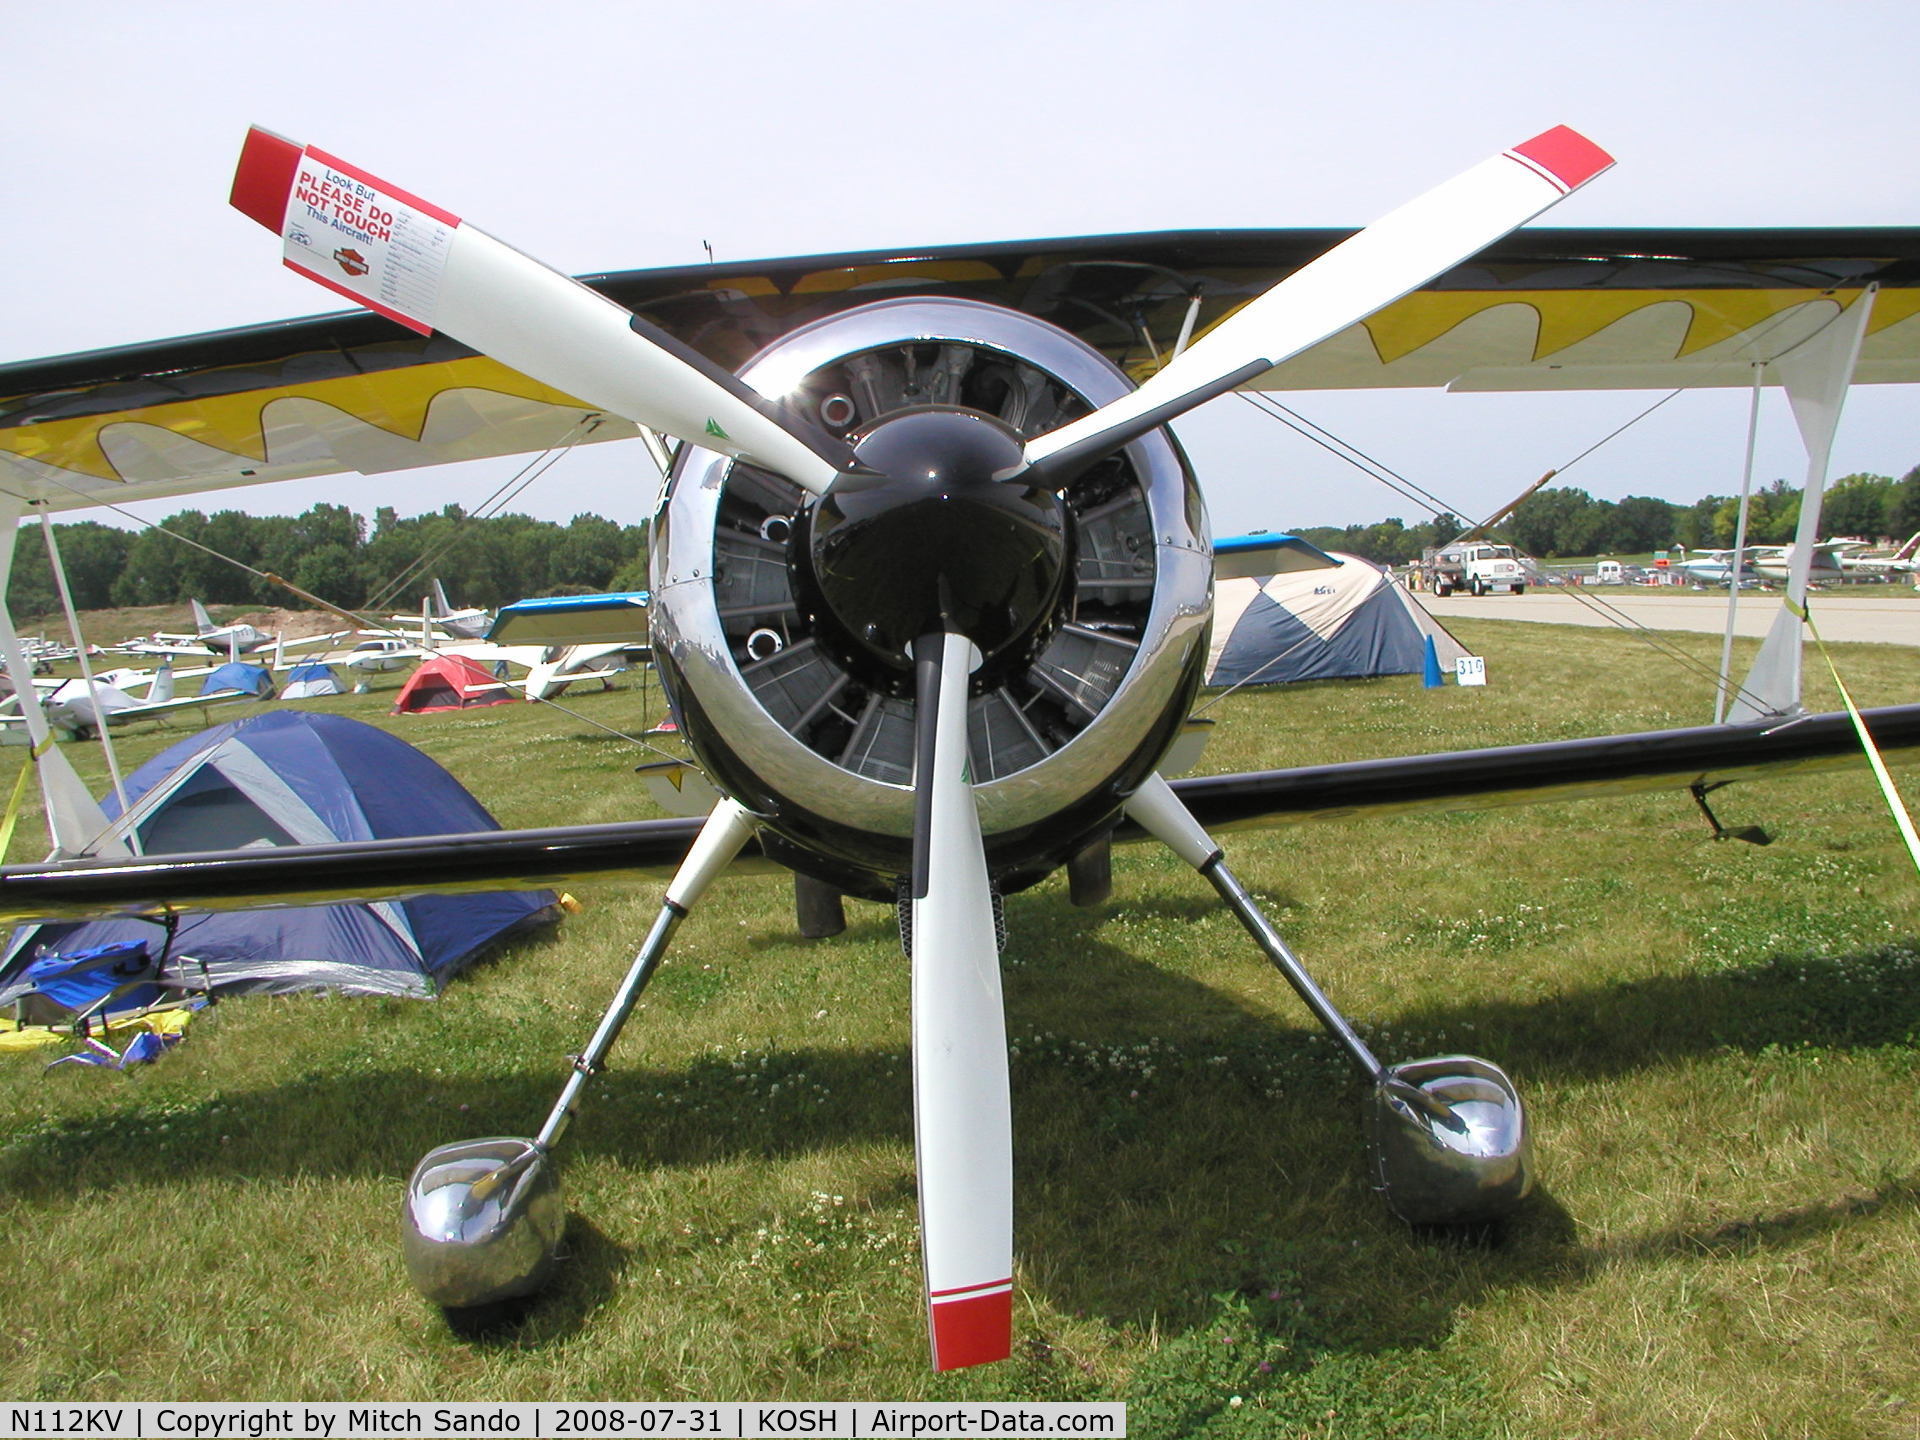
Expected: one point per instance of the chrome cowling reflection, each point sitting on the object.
(786, 724)
(482, 1221)
(1450, 1141)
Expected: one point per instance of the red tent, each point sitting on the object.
(450, 682)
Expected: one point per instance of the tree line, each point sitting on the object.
(333, 553)
(1566, 521)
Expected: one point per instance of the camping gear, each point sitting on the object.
(143, 1049)
(168, 1020)
(1338, 621)
(450, 682)
(238, 677)
(304, 682)
(286, 777)
(60, 988)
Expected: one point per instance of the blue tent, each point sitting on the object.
(1341, 618)
(238, 676)
(306, 681)
(281, 778)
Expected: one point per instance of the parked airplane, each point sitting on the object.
(77, 709)
(437, 614)
(1858, 558)
(380, 653)
(207, 638)
(1830, 562)
(931, 585)
(1715, 567)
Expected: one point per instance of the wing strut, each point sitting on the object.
(73, 815)
(1450, 1142)
(1817, 374)
(483, 1218)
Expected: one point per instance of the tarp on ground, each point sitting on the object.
(286, 777)
(1342, 621)
(304, 682)
(450, 682)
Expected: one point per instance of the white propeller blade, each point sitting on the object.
(1368, 271)
(963, 1113)
(416, 263)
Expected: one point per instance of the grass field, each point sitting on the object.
(1720, 1045)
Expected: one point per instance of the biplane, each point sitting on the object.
(931, 584)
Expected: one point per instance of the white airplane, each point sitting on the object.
(1861, 561)
(471, 623)
(1825, 565)
(1715, 567)
(208, 638)
(378, 654)
(78, 710)
(578, 637)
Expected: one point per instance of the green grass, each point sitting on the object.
(1718, 1043)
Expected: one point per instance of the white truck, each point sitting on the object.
(1479, 567)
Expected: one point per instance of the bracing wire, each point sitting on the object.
(508, 491)
(357, 618)
(1410, 490)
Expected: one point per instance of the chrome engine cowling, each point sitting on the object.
(791, 714)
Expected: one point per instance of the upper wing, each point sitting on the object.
(1543, 309)
(1706, 756)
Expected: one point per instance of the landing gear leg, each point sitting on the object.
(483, 1218)
(1450, 1142)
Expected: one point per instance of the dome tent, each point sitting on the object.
(450, 682)
(286, 778)
(311, 679)
(238, 677)
(1340, 620)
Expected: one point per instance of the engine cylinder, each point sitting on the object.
(1093, 600)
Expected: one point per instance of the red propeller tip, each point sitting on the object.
(264, 178)
(1564, 156)
(972, 1326)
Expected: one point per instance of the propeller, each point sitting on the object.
(1368, 271)
(420, 265)
(962, 1106)
(939, 542)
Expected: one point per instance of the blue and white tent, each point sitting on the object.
(238, 677)
(285, 777)
(306, 681)
(1339, 617)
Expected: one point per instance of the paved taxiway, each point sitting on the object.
(1841, 615)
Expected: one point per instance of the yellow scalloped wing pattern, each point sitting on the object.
(396, 401)
(1568, 317)
(1564, 318)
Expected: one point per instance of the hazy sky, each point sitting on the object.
(619, 136)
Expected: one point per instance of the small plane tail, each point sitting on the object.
(441, 605)
(202, 622)
(1910, 549)
(161, 690)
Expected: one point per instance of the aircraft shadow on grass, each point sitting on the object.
(1153, 1116)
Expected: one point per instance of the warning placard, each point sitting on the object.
(366, 239)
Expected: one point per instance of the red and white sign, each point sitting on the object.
(370, 241)
(366, 239)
